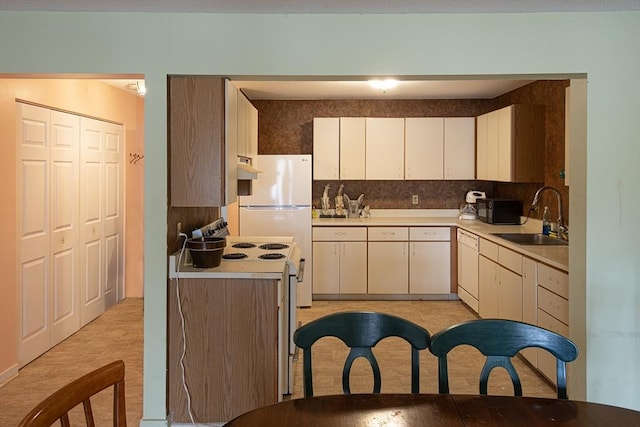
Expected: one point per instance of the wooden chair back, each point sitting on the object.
(499, 340)
(361, 331)
(57, 405)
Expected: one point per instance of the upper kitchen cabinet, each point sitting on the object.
(202, 142)
(510, 144)
(339, 148)
(352, 147)
(424, 148)
(440, 148)
(384, 148)
(247, 128)
(459, 147)
(326, 148)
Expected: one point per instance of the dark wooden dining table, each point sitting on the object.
(395, 410)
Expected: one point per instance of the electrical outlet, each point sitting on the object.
(179, 227)
(414, 199)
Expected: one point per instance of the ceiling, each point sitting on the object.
(322, 89)
(361, 89)
(322, 6)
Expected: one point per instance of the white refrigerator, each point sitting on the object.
(280, 205)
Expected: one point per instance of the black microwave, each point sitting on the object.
(499, 211)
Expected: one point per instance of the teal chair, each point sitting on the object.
(499, 340)
(361, 331)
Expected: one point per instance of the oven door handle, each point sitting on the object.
(300, 276)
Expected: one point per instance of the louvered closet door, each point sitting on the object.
(33, 234)
(92, 250)
(65, 142)
(113, 213)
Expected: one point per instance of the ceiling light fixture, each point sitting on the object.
(141, 87)
(383, 85)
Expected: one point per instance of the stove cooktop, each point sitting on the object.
(259, 248)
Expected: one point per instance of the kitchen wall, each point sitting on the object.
(286, 127)
(89, 97)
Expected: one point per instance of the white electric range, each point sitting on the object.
(259, 257)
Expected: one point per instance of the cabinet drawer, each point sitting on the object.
(489, 249)
(339, 233)
(553, 304)
(555, 280)
(546, 361)
(510, 259)
(549, 322)
(468, 239)
(429, 234)
(388, 233)
(468, 299)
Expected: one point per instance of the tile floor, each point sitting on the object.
(118, 334)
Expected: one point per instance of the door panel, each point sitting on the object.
(91, 220)
(65, 146)
(34, 158)
(35, 331)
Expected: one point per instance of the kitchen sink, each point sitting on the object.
(530, 239)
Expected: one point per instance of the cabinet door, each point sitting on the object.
(384, 148)
(326, 268)
(430, 268)
(353, 267)
(196, 142)
(326, 148)
(482, 147)
(459, 148)
(242, 119)
(252, 133)
(424, 148)
(488, 282)
(529, 303)
(388, 269)
(468, 269)
(510, 295)
(352, 147)
(505, 155)
(492, 145)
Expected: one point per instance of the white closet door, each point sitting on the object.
(113, 150)
(92, 251)
(65, 136)
(33, 235)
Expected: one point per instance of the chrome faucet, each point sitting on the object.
(562, 229)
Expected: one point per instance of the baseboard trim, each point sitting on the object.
(8, 375)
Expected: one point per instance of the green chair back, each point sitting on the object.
(500, 340)
(361, 331)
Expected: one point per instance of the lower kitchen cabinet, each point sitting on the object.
(429, 260)
(388, 269)
(553, 311)
(468, 269)
(488, 281)
(388, 260)
(500, 282)
(530, 302)
(339, 267)
(512, 286)
(339, 260)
